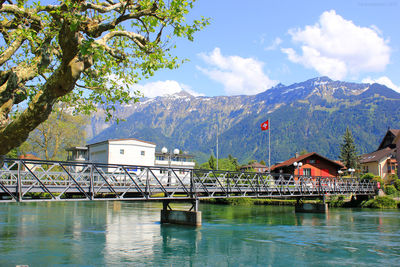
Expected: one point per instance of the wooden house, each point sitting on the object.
(312, 164)
(383, 161)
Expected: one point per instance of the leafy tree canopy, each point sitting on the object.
(81, 52)
(226, 164)
(303, 152)
(60, 131)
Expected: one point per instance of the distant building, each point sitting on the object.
(128, 151)
(312, 164)
(77, 153)
(138, 153)
(32, 167)
(383, 161)
(256, 166)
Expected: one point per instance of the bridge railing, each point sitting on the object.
(22, 179)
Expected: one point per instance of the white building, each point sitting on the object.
(128, 151)
(139, 154)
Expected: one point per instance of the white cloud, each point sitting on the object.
(383, 80)
(163, 88)
(275, 44)
(240, 76)
(336, 47)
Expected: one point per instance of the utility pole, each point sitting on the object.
(217, 145)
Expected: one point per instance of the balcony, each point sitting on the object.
(174, 164)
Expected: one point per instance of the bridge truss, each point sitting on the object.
(36, 180)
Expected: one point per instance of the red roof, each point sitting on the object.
(28, 156)
(290, 161)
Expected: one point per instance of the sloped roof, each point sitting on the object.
(395, 132)
(397, 137)
(290, 161)
(377, 155)
(390, 136)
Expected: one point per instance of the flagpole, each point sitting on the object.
(217, 145)
(269, 145)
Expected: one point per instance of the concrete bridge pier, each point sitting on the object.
(191, 217)
(311, 207)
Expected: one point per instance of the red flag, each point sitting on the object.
(265, 125)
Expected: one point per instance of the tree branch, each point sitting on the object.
(89, 87)
(21, 12)
(9, 52)
(138, 39)
(96, 29)
(101, 8)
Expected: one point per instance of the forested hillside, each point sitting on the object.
(311, 115)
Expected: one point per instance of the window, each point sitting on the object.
(121, 151)
(306, 172)
(142, 152)
(312, 161)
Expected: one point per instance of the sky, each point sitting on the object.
(251, 46)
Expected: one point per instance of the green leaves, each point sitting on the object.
(88, 53)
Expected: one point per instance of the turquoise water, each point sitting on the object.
(129, 234)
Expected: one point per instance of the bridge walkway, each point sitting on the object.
(38, 180)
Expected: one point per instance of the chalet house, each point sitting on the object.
(397, 142)
(312, 164)
(258, 167)
(383, 161)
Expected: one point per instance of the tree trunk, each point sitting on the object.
(59, 84)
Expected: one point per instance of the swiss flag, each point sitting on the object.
(265, 125)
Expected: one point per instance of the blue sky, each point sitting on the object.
(253, 45)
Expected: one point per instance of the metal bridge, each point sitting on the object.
(35, 180)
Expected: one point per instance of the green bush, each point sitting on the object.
(380, 203)
(391, 179)
(390, 189)
(337, 201)
(397, 184)
(368, 176)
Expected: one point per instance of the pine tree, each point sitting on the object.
(348, 151)
(212, 162)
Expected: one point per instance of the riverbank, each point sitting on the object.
(379, 202)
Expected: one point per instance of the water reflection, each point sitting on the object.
(128, 233)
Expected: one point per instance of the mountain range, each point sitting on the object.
(310, 115)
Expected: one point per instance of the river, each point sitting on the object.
(115, 233)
